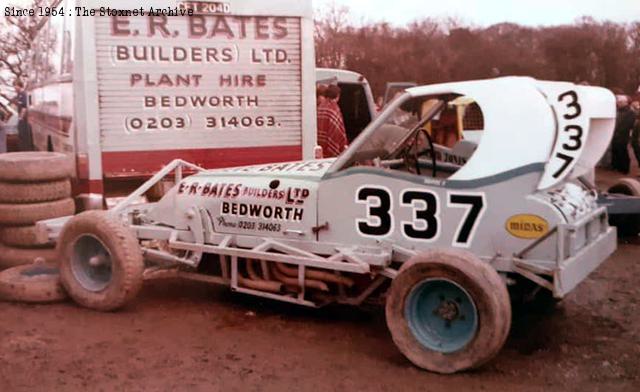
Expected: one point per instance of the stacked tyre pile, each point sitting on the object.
(34, 186)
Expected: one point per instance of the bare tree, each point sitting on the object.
(330, 28)
(17, 35)
(442, 50)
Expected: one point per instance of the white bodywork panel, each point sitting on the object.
(522, 123)
(509, 128)
(586, 120)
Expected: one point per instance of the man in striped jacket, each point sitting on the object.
(332, 135)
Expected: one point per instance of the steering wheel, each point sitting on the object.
(416, 154)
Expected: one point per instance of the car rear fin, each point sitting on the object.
(585, 120)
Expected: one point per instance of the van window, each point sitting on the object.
(355, 109)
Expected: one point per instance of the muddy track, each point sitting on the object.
(183, 335)
(189, 336)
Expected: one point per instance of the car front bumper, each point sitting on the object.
(582, 247)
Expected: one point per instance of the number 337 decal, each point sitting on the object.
(572, 136)
(426, 223)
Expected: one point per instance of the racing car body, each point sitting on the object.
(436, 225)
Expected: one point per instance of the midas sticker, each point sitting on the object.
(528, 227)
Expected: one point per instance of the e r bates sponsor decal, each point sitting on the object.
(257, 211)
(318, 167)
(290, 195)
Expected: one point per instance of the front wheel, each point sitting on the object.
(101, 262)
(448, 311)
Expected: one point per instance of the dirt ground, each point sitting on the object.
(189, 336)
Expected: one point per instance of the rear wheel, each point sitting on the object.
(101, 262)
(448, 311)
(628, 225)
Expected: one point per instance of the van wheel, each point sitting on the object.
(628, 225)
(448, 311)
(101, 263)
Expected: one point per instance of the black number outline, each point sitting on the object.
(575, 138)
(430, 215)
(574, 104)
(475, 205)
(568, 160)
(382, 211)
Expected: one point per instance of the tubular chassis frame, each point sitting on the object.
(576, 254)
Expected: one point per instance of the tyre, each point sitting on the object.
(23, 237)
(12, 257)
(448, 311)
(628, 225)
(33, 283)
(19, 193)
(101, 264)
(35, 166)
(28, 214)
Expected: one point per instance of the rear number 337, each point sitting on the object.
(573, 133)
(425, 206)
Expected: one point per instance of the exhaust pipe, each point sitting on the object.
(293, 281)
(316, 275)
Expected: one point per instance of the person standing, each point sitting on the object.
(635, 133)
(321, 90)
(25, 141)
(625, 121)
(332, 134)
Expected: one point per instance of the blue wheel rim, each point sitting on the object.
(441, 315)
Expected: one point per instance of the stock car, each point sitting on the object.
(436, 226)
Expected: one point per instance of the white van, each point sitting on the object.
(356, 99)
(128, 88)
